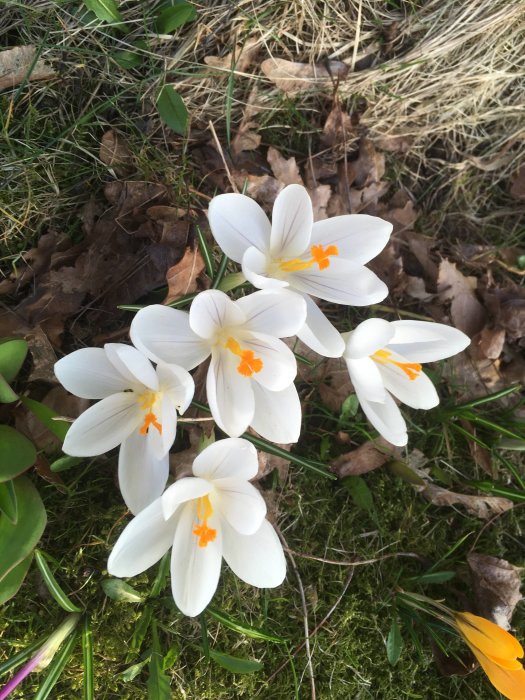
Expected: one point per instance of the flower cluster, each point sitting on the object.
(216, 512)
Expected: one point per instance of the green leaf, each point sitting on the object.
(11, 583)
(17, 453)
(87, 657)
(13, 352)
(171, 657)
(249, 631)
(47, 416)
(127, 59)
(106, 10)
(7, 395)
(52, 584)
(394, 643)
(174, 17)
(172, 109)
(434, 577)
(349, 407)
(66, 462)
(8, 505)
(234, 664)
(132, 672)
(158, 681)
(18, 541)
(361, 495)
(139, 633)
(55, 669)
(117, 589)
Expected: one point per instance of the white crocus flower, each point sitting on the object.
(383, 358)
(138, 411)
(250, 378)
(323, 259)
(216, 513)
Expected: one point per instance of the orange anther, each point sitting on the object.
(319, 254)
(249, 363)
(150, 419)
(411, 369)
(202, 531)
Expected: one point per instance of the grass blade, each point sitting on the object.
(247, 630)
(87, 655)
(205, 252)
(52, 584)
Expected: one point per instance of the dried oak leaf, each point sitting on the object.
(182, 277)
(466, 311)
(491, 341)
(292, 77)
(338, 129)
(239, 60)
(246, 138)
(268, 462)
(16, 64)
(284, 169)
(496, 585)
(482, 506)
(115, 152)
(365, 458)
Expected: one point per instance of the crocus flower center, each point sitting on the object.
(249, 363)
(320, 256)
(202, 531)
(384, 357)
(146, 401)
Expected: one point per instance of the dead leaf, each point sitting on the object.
(449, 665)
(263, 188)
(182, 277)
(16, 63)
(115, 152)
(368, 168)
(482, 506)
(517, 187)
(338, 129)
(365, 458)
(466, 311)
(481, 455)
(335, 386)
(268, 462)
(284, 169)
(239, 60)
(320, 197)
(394, 144)
(496, 585)
(292, 77)
(246, 138)
(491, 341)
(43, 356)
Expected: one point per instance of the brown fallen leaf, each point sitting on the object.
(320, 197)
(16, 63)
(517, 187)
(182, 277)
(496, 585)
(263, 188)
(246, 138)
(466, 311)
(115, 152)
(449, 665)
(239, 60)
(482, 506)
(292, 77)
(364, 458)
(284, 169)
(338, 129)
(491, 341)
(481, 455)
(268, 462)
(368, 168)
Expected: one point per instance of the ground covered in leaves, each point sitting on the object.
(104, 210)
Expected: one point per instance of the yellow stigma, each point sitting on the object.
(319, 254)
(249, 363)
(147, 401)
(411, 369)
(202, 531)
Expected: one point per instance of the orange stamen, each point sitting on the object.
(411, 369)
(203, 532)
(319, 254)
(147, 401)
(249, 363)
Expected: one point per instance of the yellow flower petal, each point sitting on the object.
(511, 684)
(490, 639)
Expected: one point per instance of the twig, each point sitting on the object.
(219, 149)
(360, 562)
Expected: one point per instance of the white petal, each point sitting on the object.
(277, 312)
(369, 336)
(417, 393)
(141, 476)
(211, 311)
(240, 504)
(230, 394)
(255, 269)
(277, 414)
(386, 419)
(358, 237)
(164, 335)
(238, 222)
(424, 341)
(89, 374)
(103, 426)
(257, 559)
(367, 379)
(168, 419)
(177, 383)
(187, 489)
(292, 220)
(232, 457)
(144, 541)
(279, 367)
(318, 333)
(343, 282)
(195, 570)
(132, 364)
